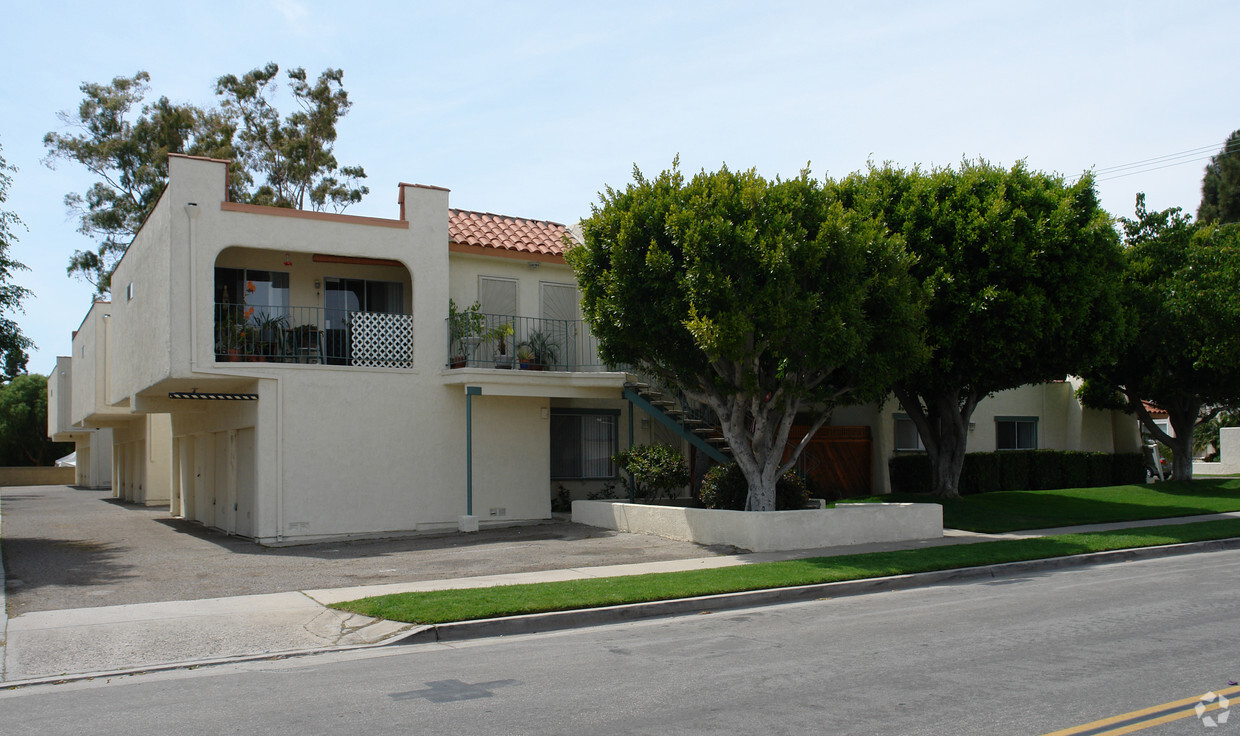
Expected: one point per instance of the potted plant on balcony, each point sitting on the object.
(500, 334)
(544, 351)
(230, 333)
(525, 356)
(272, 333)
(464, 332)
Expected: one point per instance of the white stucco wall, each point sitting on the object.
(770, 531)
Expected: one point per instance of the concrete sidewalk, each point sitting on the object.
(109, 639)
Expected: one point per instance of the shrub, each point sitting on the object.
(1098, 469)
(1014, 470)
(1074, 469)
(980, 473)
(725, 487)
(1127, 468)
(910, 473)
(1046, 470)
(656, 471)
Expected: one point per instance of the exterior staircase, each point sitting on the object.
(692, 421)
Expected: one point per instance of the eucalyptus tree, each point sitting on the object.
(125, 142)
(294, 152)
(1021, 270)
(766, 300)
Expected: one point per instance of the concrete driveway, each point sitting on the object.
(65, 548)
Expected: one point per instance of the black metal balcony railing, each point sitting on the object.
(313, 335)
(522, 343)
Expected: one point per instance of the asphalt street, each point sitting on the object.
(1027, 655)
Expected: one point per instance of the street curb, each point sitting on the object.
(560, 620)
(193, 664)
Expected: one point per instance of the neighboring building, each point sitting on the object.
(290, 376)
(92, 446)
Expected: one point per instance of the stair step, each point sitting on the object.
(702, 431)
(717, 440)
(662, 402)
(637, 385)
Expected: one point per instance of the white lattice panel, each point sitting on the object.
(382, 340)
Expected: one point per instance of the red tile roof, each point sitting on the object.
(1154, 410)
(518, 234)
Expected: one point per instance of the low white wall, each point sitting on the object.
(1228, 455)
(770, 531)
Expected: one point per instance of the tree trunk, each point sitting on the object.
(942, 421)
(1184, 413)
(946, 464)
(756, 428)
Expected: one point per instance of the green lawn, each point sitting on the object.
(1012, 510)
(475, 603)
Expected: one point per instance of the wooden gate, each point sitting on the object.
(837, 462)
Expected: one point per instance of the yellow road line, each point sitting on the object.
(1144, 718)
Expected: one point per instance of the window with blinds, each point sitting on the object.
(582, 443)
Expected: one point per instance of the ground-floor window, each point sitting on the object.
(582, 443)
(1016, 433)
(907, 438)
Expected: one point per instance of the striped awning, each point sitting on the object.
(211, 397)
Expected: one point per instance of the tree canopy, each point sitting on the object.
(1183, 351)
(293, 153)
(764, 300)
(23, 424)
(125, 141)
(1220, 186)
(13, 344)
(1021, 271)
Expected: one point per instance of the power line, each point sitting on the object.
(1201, 153)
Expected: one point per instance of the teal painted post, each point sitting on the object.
(470, 393)
(632, 490)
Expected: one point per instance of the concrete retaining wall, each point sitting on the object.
(37, 476)
(770, 531)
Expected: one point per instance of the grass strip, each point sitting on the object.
(443, 606)
(1006, 511)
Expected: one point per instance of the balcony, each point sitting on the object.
(504, 341)
(313, 335)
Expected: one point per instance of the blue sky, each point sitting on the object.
(530, 108)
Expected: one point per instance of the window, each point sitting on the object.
(1016, 433)
(582, 443)
(266, 291)
(907, 438)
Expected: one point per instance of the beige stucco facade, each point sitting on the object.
(1062, 423)
(283, 441)
(283, 452)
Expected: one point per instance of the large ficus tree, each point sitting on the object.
(1021, 271)
(765, 300)
(1183, 351)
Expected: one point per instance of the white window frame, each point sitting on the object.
(1017, 421)
(896, 419)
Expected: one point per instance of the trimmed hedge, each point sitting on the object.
(1022, 470)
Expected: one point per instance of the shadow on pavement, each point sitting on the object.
(39, 562)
